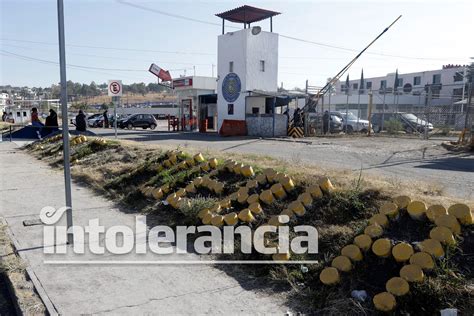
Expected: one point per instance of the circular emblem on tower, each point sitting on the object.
(231, 87)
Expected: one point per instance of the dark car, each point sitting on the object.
(138, 120)
(410, 122)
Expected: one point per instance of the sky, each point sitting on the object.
(123, 40)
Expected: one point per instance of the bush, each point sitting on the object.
(393, 126)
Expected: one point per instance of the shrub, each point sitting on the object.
(393, 126)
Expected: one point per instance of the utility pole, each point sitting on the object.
(66, 156)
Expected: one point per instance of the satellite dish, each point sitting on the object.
(256, 30)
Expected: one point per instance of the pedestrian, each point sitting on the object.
(4, 116)
(35, 121)
(325, 122)
(106, 119)
(81, 122)
(52, 119)
(297, 118)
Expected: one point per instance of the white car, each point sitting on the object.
(353, 123)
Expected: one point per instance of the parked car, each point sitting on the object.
(353, 123)
(410, 122)
(335, 122)
(95, 120)
(119, 117)
(138, 120)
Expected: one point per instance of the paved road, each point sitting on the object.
(399, 158)
(27, 185)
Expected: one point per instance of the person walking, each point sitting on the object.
(106, 119)
(51, 123)
(81, 125)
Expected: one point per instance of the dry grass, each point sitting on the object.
(14, 268)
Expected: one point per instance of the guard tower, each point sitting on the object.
(247, 61)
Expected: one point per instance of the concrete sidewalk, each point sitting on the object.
(27, 185)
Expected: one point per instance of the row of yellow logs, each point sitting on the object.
(448, 224)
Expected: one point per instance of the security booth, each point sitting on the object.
(267, 113)
(207, 112)
(188, 91)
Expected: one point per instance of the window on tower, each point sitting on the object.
(231, 66)
(230, 109)
(262, 65)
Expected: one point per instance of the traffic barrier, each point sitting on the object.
(352, 252)
(329, 276)
(382, 247)
(342, 263)
(296, 132)
(397, 286)
(384, 302)
(412, 273)
(402, 252)
(364, 242)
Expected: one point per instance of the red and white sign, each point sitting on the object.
(184, 82)
(115, 88)
(164, 75)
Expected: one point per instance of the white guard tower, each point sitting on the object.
(247, 61)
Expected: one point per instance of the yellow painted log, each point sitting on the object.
(435, 211)
(288, 213)
(267, 197)
(374, 231)
(278, 176)
(213, 173)
(278, 191)
(253, 198)
(390, 209)
(329, 276)
(216, 208)
(381, 247)
(167, 163)
(158, 193)
(213, 163)
(422, 259)
(306, 199)
(402, 252)
(226, 203)
(364, 242)
(449, 221)
(173, 159)
(326, 185)
(247, 171)
(352, 252)
(182, 165)
(204, 166)
(287, 183)
(416, 210)
(217, 220)
(197, 182)
(218, 187)
(342, 263)
(443, 235)
(181, 192)
(397, 286)
(243, 190)
(251, 184)
(276, 220)
(462, 212)
(433, 247)
(269, 174)
(165, 188)
(315, 191)
(256, 208)
(384, 302)
(412, 273)
(237, 168)
(190, 162)
(171, 197)
(281, 256)
(402, 201)
(190, 188)
(379, 219)
(175, 202)
(233, 196)
(261, 178)
(246, 216)
(297, 207)
(203, 213)
(199, 157)
(231, 219)
(206, 220)
(242, 198)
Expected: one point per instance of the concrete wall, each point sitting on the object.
(262, 125)
(256, 102)
(246, 51)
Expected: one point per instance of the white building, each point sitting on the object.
(247, 69)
